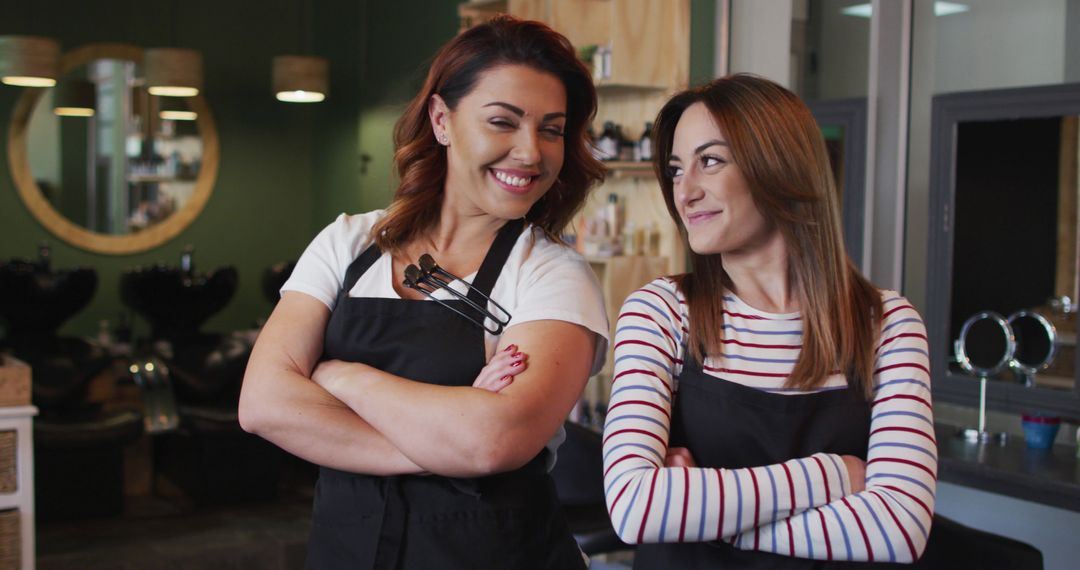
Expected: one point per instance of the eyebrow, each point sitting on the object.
(521, 113)
(701, 147)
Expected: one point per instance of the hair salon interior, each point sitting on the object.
(143, 236)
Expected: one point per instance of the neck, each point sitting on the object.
(462, 227)
(760, 276)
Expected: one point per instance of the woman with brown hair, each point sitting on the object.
(374, 369)
(771, 408)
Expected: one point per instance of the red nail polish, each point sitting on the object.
(507, 377)
(516, 364)
(511, 348)
(516, 355)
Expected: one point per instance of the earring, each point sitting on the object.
(443, 139)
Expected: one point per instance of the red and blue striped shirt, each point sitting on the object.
(802, 507)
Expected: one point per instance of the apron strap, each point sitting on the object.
(358, 267)
(493, 263)
(486, 276)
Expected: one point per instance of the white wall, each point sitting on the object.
(761, 38)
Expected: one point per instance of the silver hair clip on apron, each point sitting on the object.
(429, 277)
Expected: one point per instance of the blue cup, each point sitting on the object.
(1040, 431)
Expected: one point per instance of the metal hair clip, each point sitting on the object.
(430, 269)
(427, 283)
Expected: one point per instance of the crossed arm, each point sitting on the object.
(812, 507)
(353, 417)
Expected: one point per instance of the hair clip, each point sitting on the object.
(415, 279)
(431, 269)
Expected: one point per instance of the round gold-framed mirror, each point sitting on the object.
(142, 173)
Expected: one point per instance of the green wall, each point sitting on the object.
(286, 170)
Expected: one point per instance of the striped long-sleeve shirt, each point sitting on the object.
(802, 507)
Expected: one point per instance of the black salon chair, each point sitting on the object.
(579, 482)
(953, 545)
(78, 443)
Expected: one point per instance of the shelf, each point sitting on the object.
(1050, 477)
(627, 168)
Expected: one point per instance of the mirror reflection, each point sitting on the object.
(1036, 340)
(126, 167)
(105, 166)
(1015, 240)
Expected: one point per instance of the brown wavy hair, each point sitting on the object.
(421, 161)
(781, 153)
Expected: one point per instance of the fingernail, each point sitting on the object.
(507, 377)
(516, 355)
(511, 348)
(516, 364)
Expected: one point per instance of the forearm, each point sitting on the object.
(303, 419)
(890, 520)
(450, 430)
(651, 504)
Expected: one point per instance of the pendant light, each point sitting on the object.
(74, 98)
(29, 61)
(175, 109)
(301, 78)
(172, 71)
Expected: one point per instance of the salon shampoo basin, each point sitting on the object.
(35, 300)
(177, 301)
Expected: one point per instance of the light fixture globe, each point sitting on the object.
(300, 79)
(29, 61)
(173, 72)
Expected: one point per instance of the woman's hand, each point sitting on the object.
(500, 371)
(856, 469)
(679, 457)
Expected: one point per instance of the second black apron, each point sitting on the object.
(726, 425)
(510, 520)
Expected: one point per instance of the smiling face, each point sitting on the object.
(712, 197)
(504, 140)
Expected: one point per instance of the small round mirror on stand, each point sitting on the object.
(1036, 345)
(986, 347)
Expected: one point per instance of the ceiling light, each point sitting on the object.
(946, 8)
(300, 79)
(173, 72)
(858, 10)
(74, 98)
(175, 109)
(29, 61)
(940, 9)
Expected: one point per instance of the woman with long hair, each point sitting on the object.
(770, 408)
(433, 430)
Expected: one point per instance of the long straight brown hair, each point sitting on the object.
(421, 161)
(781, 153)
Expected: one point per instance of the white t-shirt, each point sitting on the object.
(541, 280)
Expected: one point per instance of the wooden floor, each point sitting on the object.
(156, 534)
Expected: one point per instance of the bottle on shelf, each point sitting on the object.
(627, 147)
(654, 239)
(607, 146)
(644, 144)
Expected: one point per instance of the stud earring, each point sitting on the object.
(443, 139)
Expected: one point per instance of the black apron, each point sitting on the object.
(509, 520)
(727, 425)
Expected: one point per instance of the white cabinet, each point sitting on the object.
(17, 483)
